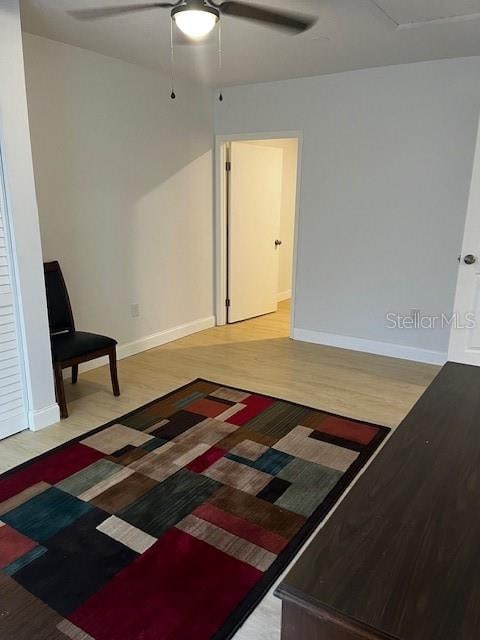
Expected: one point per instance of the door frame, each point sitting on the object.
(220, 219)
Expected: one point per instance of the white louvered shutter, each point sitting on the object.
(13, 411)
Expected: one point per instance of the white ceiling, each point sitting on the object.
(350, 34)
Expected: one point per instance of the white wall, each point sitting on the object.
(20, 188)
(124, 185)
(386, 166)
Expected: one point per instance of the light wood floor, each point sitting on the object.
(255, 355)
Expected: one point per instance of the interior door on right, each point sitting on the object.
(255, 197)
(465, 333)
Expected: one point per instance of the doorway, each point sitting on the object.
(257, 202)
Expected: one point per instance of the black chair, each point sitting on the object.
(70, 347)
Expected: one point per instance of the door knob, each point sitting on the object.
(278, 243)
(470, 259)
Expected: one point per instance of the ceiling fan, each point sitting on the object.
(197, 18)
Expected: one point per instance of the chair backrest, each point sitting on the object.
(60, 316)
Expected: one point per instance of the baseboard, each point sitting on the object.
(370, 346)
(150, 342)
(284, 295)
(41, 418)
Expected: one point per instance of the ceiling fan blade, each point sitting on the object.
(108, 12)
(287, 20)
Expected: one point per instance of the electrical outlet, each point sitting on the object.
(135, 309)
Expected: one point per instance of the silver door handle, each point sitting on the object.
(470, 259)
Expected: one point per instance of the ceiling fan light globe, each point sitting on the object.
(195, 23)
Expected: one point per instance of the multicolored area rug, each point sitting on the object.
(172, 522)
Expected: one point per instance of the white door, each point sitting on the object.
(465, 332)
(13, 412)
(255, 197)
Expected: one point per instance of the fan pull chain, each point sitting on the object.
(172, 62)
(220, 55)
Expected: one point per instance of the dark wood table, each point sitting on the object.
(400, 558)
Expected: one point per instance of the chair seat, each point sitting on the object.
(66, 346)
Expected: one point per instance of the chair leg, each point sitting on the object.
(59, 390)
(113, 372)
(74, 374)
